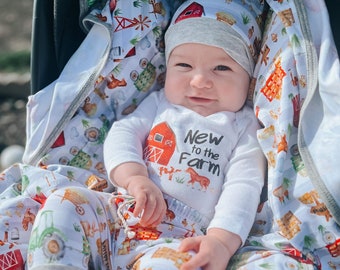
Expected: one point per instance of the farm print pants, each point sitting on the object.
(88, 234)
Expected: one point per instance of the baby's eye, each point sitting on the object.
(222, 68)
(183, 65)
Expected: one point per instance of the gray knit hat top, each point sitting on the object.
(229, 25)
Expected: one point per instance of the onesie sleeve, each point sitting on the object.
(240, 196)
(125, 140)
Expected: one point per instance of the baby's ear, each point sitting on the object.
(251, 90)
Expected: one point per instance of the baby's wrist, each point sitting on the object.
(133, 179)
(229, 240)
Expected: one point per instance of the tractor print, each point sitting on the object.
(146, 79)
(297, 162)
(80, 159)
(50, 239)
(77, 199)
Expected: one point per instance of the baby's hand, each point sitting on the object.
(213, 250)
(150, 204)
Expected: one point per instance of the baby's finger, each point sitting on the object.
(200, 260)
(139, 206)
(159, 214)
(149, 212)
(190, 243)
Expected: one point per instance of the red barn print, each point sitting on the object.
(160, 145)
(194, 10)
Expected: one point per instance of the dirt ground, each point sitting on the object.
(15, 35)
(15, 25)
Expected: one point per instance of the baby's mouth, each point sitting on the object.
(200, 100)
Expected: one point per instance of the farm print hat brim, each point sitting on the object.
(229, 25)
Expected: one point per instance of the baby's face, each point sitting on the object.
(205, 79)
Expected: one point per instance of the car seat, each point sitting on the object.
(56, 34)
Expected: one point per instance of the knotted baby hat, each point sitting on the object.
(233, 25)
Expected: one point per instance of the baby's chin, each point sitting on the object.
(203, 111)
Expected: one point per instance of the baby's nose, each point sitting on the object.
(201, 80)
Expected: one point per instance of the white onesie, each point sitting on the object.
(212, 164)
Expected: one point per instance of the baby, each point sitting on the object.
(193, 144)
